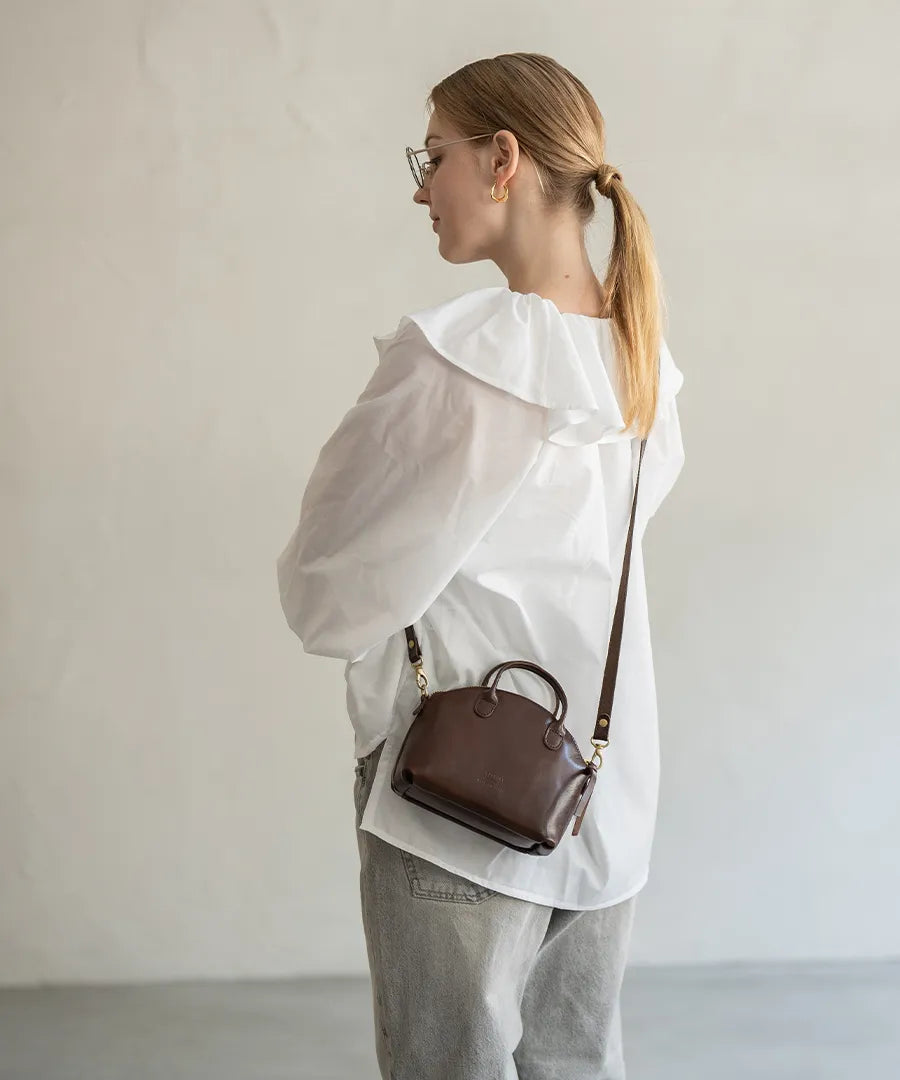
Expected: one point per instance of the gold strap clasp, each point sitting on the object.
(597, 744)
(421, 680)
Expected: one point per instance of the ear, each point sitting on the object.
(505, 155)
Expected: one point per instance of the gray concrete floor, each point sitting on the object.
(773, 1021)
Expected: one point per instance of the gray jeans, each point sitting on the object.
(472, 984)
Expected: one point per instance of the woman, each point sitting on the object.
(481, 489)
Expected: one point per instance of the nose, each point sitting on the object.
(420, 196)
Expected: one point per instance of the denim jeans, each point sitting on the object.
(473, 984)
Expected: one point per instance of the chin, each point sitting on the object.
(453, 254)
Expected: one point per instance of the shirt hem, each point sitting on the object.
(502, 887)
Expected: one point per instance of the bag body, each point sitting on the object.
(496, 762)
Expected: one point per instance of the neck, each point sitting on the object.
(552, 261)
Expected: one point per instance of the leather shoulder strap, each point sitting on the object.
(608, 690)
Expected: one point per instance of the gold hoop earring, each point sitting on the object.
(505, 188)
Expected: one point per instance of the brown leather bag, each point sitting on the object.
(499, 763)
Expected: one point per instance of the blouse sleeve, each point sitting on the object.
(412, 478)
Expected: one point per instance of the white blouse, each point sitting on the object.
(480, 489)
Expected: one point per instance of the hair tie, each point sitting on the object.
(604, 177)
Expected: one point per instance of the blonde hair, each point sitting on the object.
(561, 131)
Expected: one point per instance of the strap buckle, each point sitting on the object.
(597, 745)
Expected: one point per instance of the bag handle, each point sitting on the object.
(561, 700)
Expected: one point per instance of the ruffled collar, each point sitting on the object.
(522, 343)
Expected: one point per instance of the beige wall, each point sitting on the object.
(206, 215)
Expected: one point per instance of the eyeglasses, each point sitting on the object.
(422, 174)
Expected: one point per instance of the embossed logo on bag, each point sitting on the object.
(492, 779)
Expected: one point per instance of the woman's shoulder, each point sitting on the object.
(476, 333)
(522, 344)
